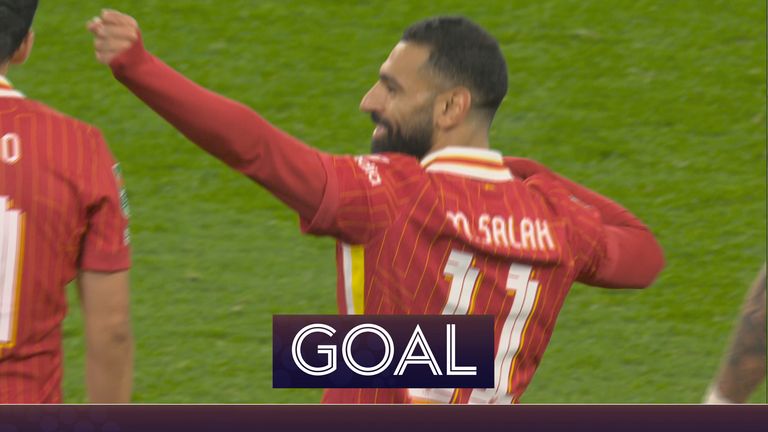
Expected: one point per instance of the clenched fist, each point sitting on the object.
(113, 32)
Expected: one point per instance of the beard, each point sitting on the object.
(413, 139)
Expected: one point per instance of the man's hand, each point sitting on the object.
(113, 32)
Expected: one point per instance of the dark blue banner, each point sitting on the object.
(384, 351)
(383, 418)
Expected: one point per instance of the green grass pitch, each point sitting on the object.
(658, 104)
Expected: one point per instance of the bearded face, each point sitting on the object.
(412, 136)
(402, 102)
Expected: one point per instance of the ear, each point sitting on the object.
(22, 53)
(452, 107)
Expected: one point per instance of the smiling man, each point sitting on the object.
(433, 222)
(440, 87)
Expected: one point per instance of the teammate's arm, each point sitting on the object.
(633, 258)
(744, 366)
(103, 262)
(104, 299)
(228, 130)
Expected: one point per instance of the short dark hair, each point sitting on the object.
(15, 20)
(465, 54)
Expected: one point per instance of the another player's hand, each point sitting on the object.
(113, 32)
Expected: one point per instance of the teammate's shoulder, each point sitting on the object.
(43, 110)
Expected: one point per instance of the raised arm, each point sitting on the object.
(226, 129)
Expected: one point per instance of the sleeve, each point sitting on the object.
(363, 195)
(105, 246)
(612, 247)
(230, 131)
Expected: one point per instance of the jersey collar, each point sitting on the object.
(7, 90)
(481, 164)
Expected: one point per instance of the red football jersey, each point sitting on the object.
(457, 234)
(60, 212)
(454, 233)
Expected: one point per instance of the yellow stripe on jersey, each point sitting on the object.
(358, 278)
(19, 270)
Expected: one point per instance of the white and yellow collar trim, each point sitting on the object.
(7, 90)
(481, 164)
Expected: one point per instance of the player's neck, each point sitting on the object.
(4, 69)
(469, 135)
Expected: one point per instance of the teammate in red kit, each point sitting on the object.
(433, 222)
(60, 219)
